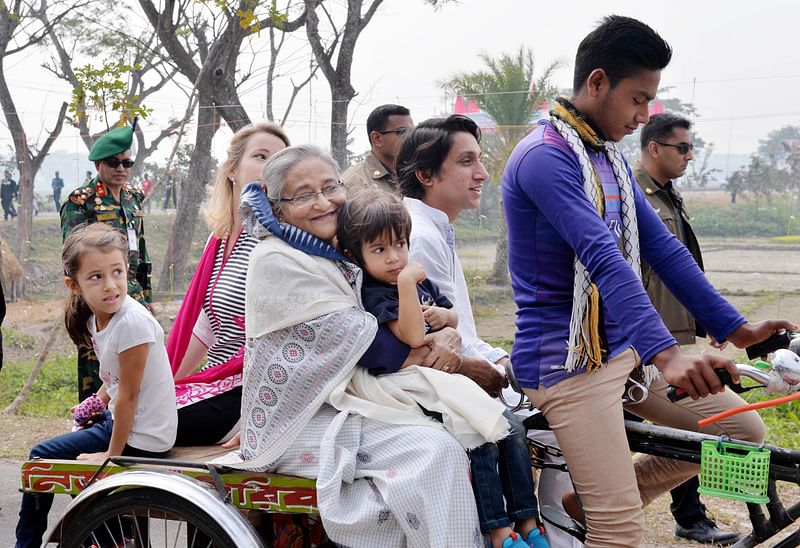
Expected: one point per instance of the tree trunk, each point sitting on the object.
(25, 210)
(338, 78)
(20, 138)
(341, 102)
(500, 269)
(173, 274)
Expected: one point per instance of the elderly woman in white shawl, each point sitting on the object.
(386, 474)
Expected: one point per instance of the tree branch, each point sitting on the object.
(290, 26)
(296, 89)
(315, 40)
(36, 161)
(167, 33)
(43, 32)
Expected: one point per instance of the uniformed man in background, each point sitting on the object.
(109, 198)
(387, 126)
(666, 152)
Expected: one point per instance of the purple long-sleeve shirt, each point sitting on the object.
(550, 221)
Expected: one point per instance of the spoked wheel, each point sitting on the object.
(145, 518)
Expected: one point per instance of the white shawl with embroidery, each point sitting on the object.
(304, 318)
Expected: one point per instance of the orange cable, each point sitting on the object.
(742, 408)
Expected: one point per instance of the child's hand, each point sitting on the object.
(87, 412)
(91, 421)
(435, 316)
(412, 271)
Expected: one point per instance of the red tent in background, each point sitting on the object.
(464, 106)
(656, 107)
(470, 108)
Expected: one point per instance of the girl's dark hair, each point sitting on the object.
(426, 148)
(367, 216)
(84, 238)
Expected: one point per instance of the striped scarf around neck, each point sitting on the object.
(585, 345)
(259, 221)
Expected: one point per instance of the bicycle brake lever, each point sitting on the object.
(675, 393)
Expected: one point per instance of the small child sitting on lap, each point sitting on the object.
(142, 418)
(373, 230)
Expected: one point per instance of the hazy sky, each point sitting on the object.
(737, 61)
(742, 56)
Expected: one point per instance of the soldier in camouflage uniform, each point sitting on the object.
(109, 198)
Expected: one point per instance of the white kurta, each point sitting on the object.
(433, 245)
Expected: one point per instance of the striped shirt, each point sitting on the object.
(224, 303)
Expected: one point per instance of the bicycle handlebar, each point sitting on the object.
(778, 341)
(775, 342)
(782, 377)
(676, 394)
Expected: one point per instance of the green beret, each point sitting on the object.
(112, 143)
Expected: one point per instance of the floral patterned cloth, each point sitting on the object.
(378, 484)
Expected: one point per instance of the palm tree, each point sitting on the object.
(509, 91)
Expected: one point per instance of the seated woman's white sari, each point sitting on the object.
(399, 481)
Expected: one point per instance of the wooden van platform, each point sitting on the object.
(247, 490)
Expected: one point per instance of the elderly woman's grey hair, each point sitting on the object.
(277, 169)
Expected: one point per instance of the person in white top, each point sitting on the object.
(441, 175)
(141, 419)
(134, 339)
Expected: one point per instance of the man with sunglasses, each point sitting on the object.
(387, 126)
(666, 152)
(109, 198)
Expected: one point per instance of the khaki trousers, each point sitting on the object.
(585, 413)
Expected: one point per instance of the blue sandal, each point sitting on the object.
(537, 539)
(514, 540)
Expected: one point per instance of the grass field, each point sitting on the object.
(44, 272)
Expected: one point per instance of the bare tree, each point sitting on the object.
(339, 44)
(173, 272)
(204, 43)
(702, 173)
(144, 63)
(338, 77)
(212, 66)
(276, 43)
(21, 28)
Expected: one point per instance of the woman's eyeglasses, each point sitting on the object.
(307, 198)
(114, 163)
(683, 148)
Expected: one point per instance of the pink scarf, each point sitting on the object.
(182, 329)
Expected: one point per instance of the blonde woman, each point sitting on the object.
(210, 323)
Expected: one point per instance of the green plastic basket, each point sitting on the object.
(734, 471)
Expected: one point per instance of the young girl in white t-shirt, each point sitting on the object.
(141, 417)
